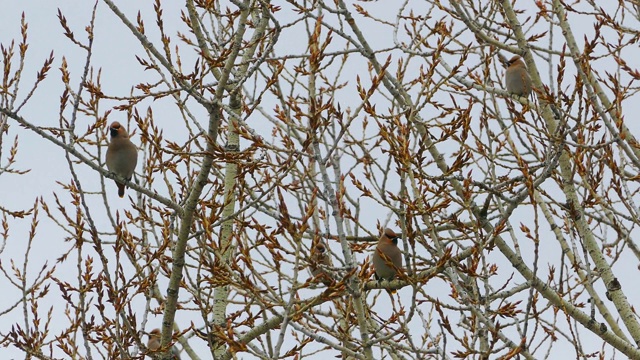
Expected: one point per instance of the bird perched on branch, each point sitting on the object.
(122, 155)
(387, 258)
(518, 81)
(319, 262)
(154, 344)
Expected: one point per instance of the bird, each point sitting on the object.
(122, 155)
(319, 262)
(154, 344)
(518, 80)
(387, 254)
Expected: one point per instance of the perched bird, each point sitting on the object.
(386, 254)
(518, 80)
(319, 262)
(154, 344)
(122, 155)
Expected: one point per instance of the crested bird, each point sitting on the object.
(154, 344)
(122, 155)
(319, 262)
(387, 258)
(518, 81)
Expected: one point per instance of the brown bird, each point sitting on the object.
(122, 155)
(319, 262)
(386, 254)
(518, 80)
(154, 344)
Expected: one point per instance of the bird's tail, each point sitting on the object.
(120, 190)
